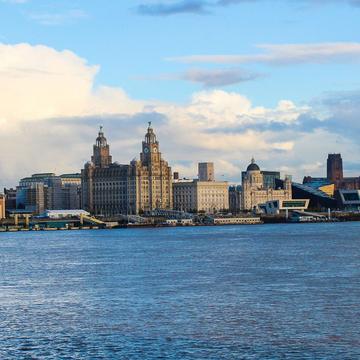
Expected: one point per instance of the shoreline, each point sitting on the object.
(148, 226)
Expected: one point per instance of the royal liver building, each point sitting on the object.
(110, 188)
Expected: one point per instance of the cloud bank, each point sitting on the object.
(51, 109)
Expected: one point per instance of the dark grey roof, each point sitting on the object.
(253, 167)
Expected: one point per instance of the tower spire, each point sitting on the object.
(101, 152)
(150, 137)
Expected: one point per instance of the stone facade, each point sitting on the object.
(254, 192)
(153, 176)
(201, 196)
(335, 168)
(110, 189)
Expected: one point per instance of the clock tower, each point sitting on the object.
(101, 149)
(153, 176)
(150, 148)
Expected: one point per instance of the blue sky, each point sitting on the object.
(162, 53)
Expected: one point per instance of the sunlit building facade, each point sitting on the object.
(112, 189)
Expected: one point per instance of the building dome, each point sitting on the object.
(253, 166)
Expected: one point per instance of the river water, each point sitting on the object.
(235, 292)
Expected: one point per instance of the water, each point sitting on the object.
(238, 292)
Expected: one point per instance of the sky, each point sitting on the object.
(220, 80)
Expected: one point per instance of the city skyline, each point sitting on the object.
(217, 88)
(195, 174)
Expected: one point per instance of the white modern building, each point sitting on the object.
(276, 207)
(349, 199)
(62, 214)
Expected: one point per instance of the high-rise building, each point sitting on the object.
(206, 171)
(10, 199)
(335, 168)
(110, 188)
(48, 191)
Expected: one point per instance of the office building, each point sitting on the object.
(206, 171)
(47, 191)
(10, 197)
(208, 196)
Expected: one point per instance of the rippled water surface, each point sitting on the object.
(237, 292)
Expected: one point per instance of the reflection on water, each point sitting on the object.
(238, 292)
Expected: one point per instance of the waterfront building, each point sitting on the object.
(269, 178)
(62, 214)
(31, 198)
(71, 191)
(111, 189)
(206, 171)
(152, 177)
(105, 184)
(349, 199)
(254, 192)
(321, 184)
(319, 200)
(2, 206)
(276, 207)
(10, 197)
(40, 192)
(208, 196)
(201, 196)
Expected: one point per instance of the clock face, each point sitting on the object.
(155, 149)
(146, 150)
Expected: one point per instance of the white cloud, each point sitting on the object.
(15, 1)
(285, 54)
(38, 82)
(50, 111)
(58, 18)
